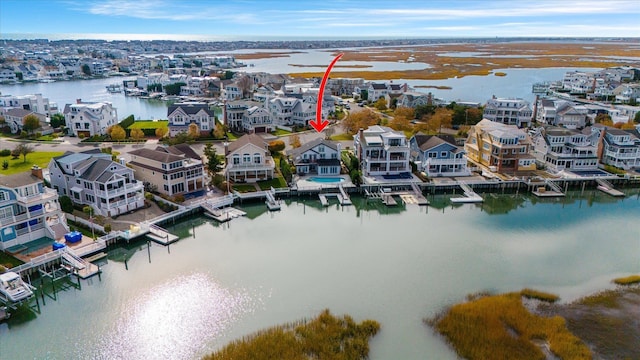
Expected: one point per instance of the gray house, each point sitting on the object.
(438, 155)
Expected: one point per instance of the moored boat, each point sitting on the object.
(13, 288)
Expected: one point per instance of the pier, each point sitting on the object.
(607, 188)
(542, 191)
(469, 196)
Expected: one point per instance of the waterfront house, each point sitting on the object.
(438, 155)
(509, 111)
(382, 151)
(248, 159)
(500, 147)
(181, 115)
(559, 149)
(34, 102)
(414, 99)
(28, 210)
(317, 157)
(627, 93)
(173, 170)
(8, 76)
(87, 119)
(92, 178)
(619, 148)
(231, 90)
(561, 113)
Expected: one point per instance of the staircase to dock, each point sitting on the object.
(554, 186)
(608, 188)
(271, 202)
(160, 235)
(344, 199)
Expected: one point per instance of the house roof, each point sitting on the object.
(189, 108)
(310, 145)
(247, 139)
(96, 169)
(426, 142)
(18, 180)
(156, 155)
(378, 86)
(17, 112)
(182, 149)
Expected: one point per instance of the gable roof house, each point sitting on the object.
(92, 178)
(90, 118)
(181, 115)
(500, 147)
(561, 149)
(248, 160)
(317, 157)
(509, 111)
(257, 119)
(619, 148)
(174, 170)
(438, 155)
(14, 118)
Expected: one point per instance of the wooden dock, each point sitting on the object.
(160, 235)
(470, 196)
(607, 188)
(554, 191)
(224, 214)
(388, 200)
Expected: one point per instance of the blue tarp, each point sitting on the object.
(73, 237)
(57, 245)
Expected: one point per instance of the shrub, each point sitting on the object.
(276, 146)
(5, 152)
(5, 165)
(178, 198)
(629, 280)
(107, 228)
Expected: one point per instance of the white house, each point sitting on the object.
(257, 119)
(509, 111)
(318, 157)
(181, 115)
(90, 118)
(617, 147)
(92, 178)
(382, 151)
(249, 160)
(561, 149)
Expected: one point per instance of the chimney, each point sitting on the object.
(78, 101)
(37, 172)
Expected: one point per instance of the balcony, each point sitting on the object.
(433, 161)
(619, 155)
(127, 188)
(47, 194)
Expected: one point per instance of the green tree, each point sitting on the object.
(173, 89)
(66, 204)
(636, 119)
(381, 104)
(86, 69)
(57, 120)
(117, 133)
(24, 150)
(30, 123)
(214, 165)
(364, 94)
(285, 169)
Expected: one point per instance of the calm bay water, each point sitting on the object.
(395, 265)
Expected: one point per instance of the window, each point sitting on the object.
(443, 154)
(236, 159)
(246, 158)
(256, 158)
(3, 196)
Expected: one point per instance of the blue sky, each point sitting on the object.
(299, 19)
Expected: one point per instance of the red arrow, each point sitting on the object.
(320, 124)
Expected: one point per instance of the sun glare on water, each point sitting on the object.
(173, 320)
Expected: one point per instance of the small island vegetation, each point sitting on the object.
(629, 280)
(501, 327)
(324, 337)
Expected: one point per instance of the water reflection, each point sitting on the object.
(173, 320)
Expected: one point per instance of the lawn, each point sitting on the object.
(243, 188)
(275, 183)
(40, 158)
(8, 261)
(149, 124)
(281, 132)
(342, 137)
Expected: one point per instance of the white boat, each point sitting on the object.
(13, 288)
(114, 88)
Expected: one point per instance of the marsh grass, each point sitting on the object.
(324, 337)
(629, 280)
(500, 327)
(539, 295)
(607, 298)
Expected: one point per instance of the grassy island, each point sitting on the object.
(501, 327)
(629, 280)
(500, 73)
(324, 337)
